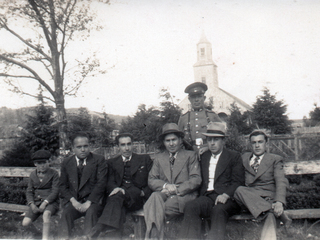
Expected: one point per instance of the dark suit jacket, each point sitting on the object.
(93, 181)
(229, 172)
(140, 166)
(48, 189)
(270, 178)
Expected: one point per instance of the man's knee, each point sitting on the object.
(26, 222)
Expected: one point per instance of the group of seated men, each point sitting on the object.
(177, 182)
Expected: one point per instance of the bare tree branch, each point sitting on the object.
(5, 26)
(36, 76)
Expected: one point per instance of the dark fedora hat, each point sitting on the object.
(216, 129)
(170, 128)
(41, 156)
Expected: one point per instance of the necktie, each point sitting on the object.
(256, 164)
(81, 165)
(172, 158)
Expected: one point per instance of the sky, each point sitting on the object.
(147, 45)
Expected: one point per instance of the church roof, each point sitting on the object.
(237, 100)
(203, 39)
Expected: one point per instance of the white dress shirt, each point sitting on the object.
(212, 169)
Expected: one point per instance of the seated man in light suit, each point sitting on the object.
(265, 185)
(174, 178)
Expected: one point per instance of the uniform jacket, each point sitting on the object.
(140, 166)
(93, 181)
(198, 123)
(48, 189)
(229, 173)
(186, 174)
(270, 177)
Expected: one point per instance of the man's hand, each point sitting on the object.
(34, 208)
(116, 190)
(171, 188)
(277, 208)
(75, 204)
(164, 190)
(84, 206)
(222, 198)
(43, 206)
(202, 150)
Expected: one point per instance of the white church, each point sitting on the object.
(205, 70)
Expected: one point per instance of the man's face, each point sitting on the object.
(125, 146)
(172, 143)
(215, 144)
(197, 101)
(81, 147)
(258, 144)
(42, 166)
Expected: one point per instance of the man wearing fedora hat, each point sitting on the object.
(265, 187)
(194, 122)
(42, 192)
(222, 172)
(174, 178)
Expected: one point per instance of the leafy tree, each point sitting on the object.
(98, 128)
(269, 113)
(314, 116)
(51, 25)
(146, 124)
(239, 121)
(38, 133)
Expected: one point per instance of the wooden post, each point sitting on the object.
(296, 148)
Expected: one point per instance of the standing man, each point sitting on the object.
(194, 122)
(174, 178)
(265, 185)
(82, 184)
(127, 186)
(222, 172)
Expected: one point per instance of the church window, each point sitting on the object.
(203, 79)
(202, 51)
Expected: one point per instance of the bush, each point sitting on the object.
(18, 155)
(304, 192)
(13, 190)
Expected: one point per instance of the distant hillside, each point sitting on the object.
(17, 117)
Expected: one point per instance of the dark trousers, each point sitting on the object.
(69, 214)
(114, 212)
(203, 207)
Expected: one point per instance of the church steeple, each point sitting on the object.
(205, 70)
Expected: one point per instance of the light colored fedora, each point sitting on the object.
(216, 129)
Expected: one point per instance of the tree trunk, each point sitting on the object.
(62, 120)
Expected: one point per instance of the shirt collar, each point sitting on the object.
(199, 110)
(124, 158)
(84, 161)
(260, 157)
(174, 155)
(216, 156)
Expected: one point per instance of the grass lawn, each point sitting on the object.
(10, 228)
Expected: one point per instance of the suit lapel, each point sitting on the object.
(264, 165)
(134, 164)
(222, 163)
(87, 171)
(73, 172)
(205, 160)
(46, 178)
(179, 163)
(246, 163)
(165, 164)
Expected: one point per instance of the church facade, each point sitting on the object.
(205, 70)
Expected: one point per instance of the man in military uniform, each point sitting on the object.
(194, 122)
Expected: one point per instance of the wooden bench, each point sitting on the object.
(291, 168)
